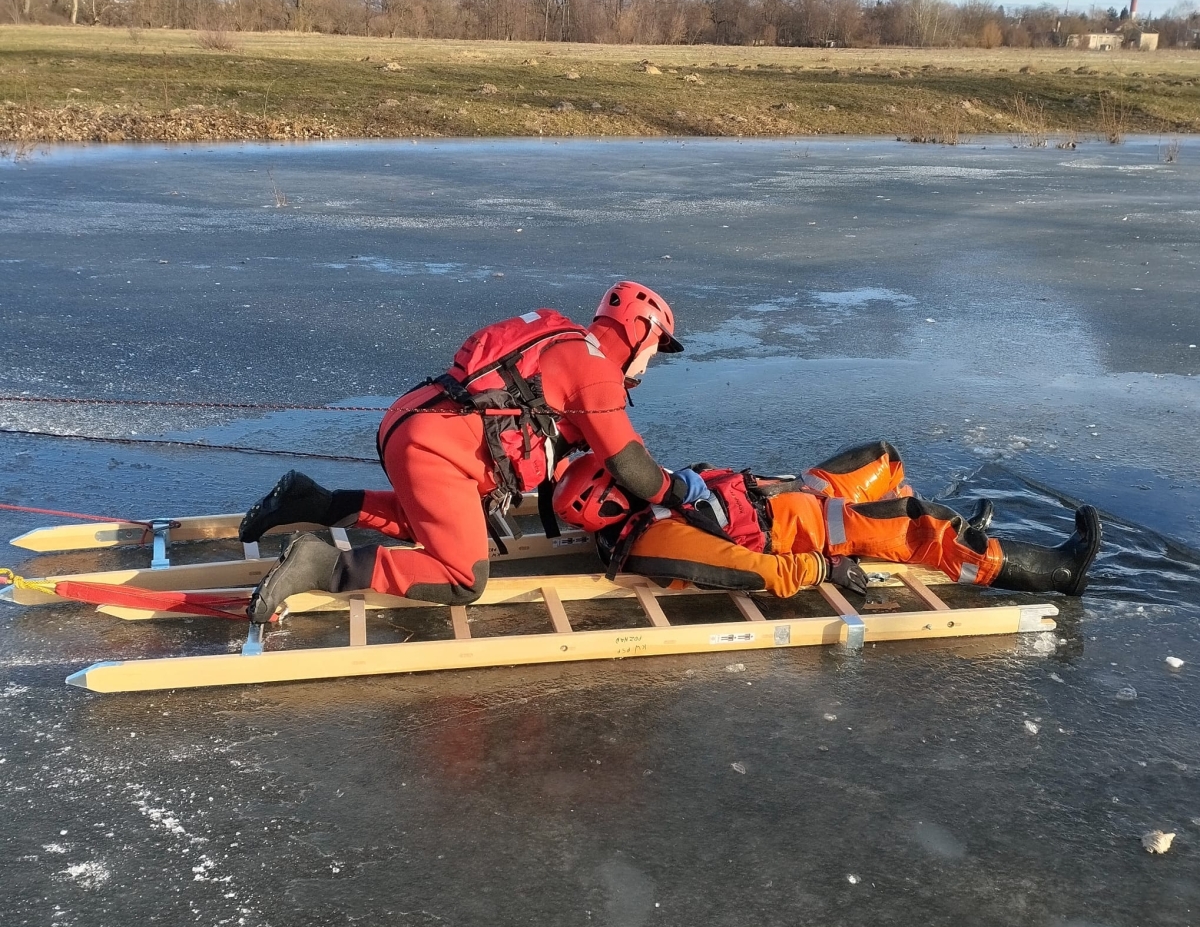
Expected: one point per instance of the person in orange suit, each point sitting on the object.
(780, 535)
(521, 395)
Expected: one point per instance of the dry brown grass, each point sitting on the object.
(1114, 117)
(1030, 119)
(17, 150)
(215, 40)
(933, 124)
(59, 84)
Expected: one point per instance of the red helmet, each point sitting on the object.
(627, 303)
(588, 497)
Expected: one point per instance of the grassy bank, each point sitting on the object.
(95, 84)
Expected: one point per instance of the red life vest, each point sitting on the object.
(497, 373)
(744, 523)
(740, 514)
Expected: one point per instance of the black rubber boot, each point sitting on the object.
(307, 564)
(1029, 568)
(296, 498)
(981, 518)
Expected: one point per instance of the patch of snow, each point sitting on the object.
(91, 874)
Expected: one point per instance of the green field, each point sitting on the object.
(96, 84)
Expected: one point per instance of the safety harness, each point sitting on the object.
(497, 374)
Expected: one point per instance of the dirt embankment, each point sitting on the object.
(62, 84)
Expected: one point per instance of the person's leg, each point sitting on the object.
(381, 512)
(438, 470)
(912, 530)
(435, 464)
(860, 473)
(917, 531)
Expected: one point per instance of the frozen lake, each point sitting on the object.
(1022, 324)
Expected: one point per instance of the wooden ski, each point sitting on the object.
(248, 572)
(562, 644)
(97, 535)
(230, 575)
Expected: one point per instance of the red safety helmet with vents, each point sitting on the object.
(629, 303)
(588, 497)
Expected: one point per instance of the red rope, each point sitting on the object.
(209, 604)
(181, 404)
(37, 511)
(199, 445)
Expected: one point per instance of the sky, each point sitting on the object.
(1145, 7)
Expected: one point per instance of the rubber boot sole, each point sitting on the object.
(295, 498)
(1087, 524)
(307, 564)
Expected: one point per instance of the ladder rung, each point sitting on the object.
(458, 618)
(746, 606)
(926, 595)
(358, 621)
(558, 614)
(834, 597)
(651, 607)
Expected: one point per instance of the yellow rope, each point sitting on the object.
(21, 582)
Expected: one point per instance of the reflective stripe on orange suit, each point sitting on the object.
(439, 468)
(890, 524)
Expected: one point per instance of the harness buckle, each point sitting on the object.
(716, 509)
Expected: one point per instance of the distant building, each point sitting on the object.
(1142, 41)
(1095, 41)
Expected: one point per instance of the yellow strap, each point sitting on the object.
(22, 583)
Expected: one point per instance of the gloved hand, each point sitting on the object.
(845, 572)
(697, 489)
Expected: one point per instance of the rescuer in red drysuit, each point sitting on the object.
(780, 534)
(445, 449)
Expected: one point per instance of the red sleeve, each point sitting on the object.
(588, 391)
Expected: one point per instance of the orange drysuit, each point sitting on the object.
(857, 503)
(440, 469)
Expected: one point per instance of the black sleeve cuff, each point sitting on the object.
(676, 492)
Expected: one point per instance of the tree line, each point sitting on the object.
(833, 23)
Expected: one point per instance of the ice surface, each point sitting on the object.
(1057, 370)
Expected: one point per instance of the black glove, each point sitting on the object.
(845, 572)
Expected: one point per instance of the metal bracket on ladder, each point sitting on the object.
(254, 640)
(856, 630)
(161, 559)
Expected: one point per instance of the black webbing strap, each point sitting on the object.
(545, 493)
(531, 400)
(493, 531)
(634, 529)
(455, 390)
